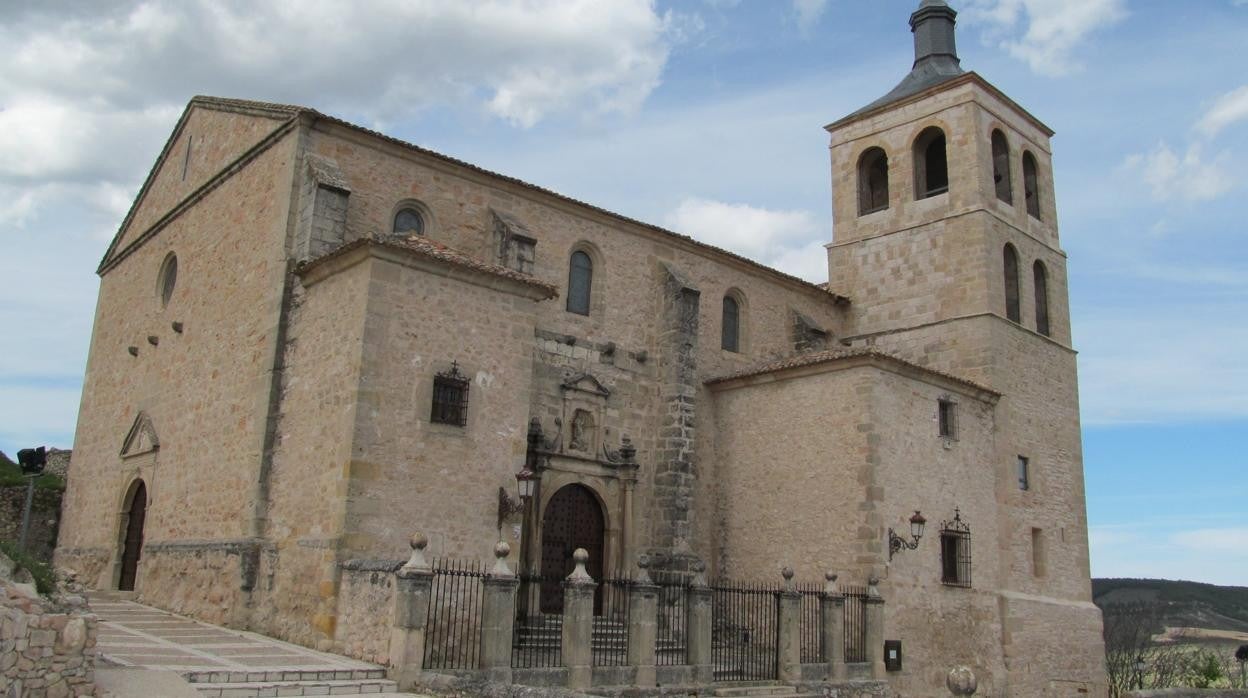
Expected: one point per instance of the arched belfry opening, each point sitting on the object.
(872, 181)
(931, 164)
(573, 519)
(1001, 167)
(133, 518)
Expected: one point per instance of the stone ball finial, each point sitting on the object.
(643, 566)
(961, 681)
(579, 574)
(787, 573)
(501, 551)
(643, 561)
(699, 566)
(580, 556)
(416, 563)
(419, 541)
(830, 586)
(830, 576)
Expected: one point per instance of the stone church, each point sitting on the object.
(313, 339)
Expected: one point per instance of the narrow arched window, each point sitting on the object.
(1012, 310)
(1042, 297)
(1031, 185)
(580, 282)
(1001, 167)
(730, 332)
(167, 279)
(872, 181)
(931, 165)
(408, 221)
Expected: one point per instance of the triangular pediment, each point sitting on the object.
(586, 383)
(141, 438)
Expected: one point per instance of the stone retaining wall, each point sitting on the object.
(45, 517)
(45, 651)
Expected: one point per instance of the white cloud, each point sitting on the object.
(786, 240)
(1232, 541)
(1187, 177)
(1228, 109)
(808, 13)
(1046, 34)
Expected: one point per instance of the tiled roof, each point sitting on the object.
(294, 110)
(833, 355)
(425, 247)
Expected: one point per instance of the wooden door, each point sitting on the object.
(573, 519)
(133, 546)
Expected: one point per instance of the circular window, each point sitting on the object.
(408, 221)
(167, 279)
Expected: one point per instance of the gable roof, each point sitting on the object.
(292, 112)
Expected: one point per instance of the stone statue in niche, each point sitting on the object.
(582, 432)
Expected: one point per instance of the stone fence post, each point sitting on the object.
(578, 623)
(698, 627)
(788, 632)
(498, 612)
(875, 628)
(832, 608)
(413, 587)
(643, 611)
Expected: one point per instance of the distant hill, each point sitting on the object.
(1175, 603)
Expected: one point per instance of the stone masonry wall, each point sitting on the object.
(45, 517)
(45, 652)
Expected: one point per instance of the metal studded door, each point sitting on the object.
(573, 519)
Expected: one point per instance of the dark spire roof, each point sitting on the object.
(935, 53)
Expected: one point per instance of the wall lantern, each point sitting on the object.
(896, 542)
(526, 483)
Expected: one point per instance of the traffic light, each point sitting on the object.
(32, 460)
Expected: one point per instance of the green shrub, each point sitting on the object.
(45, 579)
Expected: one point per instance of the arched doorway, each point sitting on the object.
(132, 543)
(573, 519)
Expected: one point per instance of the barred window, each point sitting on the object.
(955, 552)
(450, 397)
(948, 418)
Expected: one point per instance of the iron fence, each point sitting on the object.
(855, 624)
(671, 645)
(810, 622)
(743, 630)
(453, 631)
(610, 631)
(537, 637)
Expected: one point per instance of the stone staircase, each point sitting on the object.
(546, 633)
(233, 684)
(769, 689)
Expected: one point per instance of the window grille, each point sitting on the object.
(955, 552)
(450, 397)
(948, 419)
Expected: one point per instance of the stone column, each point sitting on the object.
(832, 606)
(578, 623)
(643, 611)
(498, 613)
(788, 631)
(875, 628)
(698, 628)
(413, 587)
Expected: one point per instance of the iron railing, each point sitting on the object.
(810, 622)
(671, 644)
(537, 637)
(743, 630)
(453, 631)
(610, 632)
(855, 624)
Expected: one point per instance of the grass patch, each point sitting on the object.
(45, 580)
(11, 476)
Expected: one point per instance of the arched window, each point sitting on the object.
(730, 326)
(580, 282)
(1012, 310)
(1042, 297)
(1001, 167)
(1031, 185)
(167, 279)
(931, 166)
(409, 221)
(872, 181)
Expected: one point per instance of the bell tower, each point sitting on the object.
(945, 239)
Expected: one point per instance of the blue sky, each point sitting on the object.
(705, 116)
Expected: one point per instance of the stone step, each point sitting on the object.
(276, 676)
(256, 689)
(754, 689)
